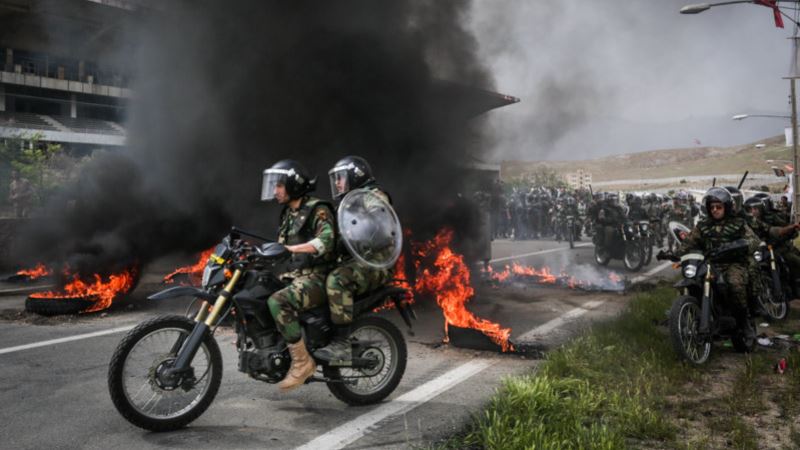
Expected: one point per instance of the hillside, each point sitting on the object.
(666, 163)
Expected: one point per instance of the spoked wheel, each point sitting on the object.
(601, 256)
(138, 382)
(386, 346)
(684, 323)
(771, 303)
(634, 256)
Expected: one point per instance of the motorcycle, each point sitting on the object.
(697, 317)
(166, 372)
(627, 246)
(776, 285)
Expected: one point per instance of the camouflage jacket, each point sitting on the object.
(312, 222)
(611, 215)
(680, 213)
(710, 234)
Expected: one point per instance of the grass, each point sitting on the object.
(620, 385)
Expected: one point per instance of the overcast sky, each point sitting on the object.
(616, 76)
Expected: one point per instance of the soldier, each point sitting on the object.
(350, 278)
(308, 232)
(680, 213)
(721, 227)
(782, 243)
(738, 201)
(609, 218)
(636, 211)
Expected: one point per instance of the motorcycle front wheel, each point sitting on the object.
(634, 256)
(382, 341)
(684, 323)
(648, 250)
(601, 256)
(136, 381)
(772, 304)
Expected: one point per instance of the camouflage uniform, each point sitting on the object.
(351, 278)
(312, 222)
(784, 246)
(609, 218)
(710, 234)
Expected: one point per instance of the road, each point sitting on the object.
(54, 395)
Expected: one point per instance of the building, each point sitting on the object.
(579, 179)
(61, 76)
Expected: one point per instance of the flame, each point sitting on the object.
(448, 280)
(37, 272)
(104, 290)
(545, 276)
(195, 270)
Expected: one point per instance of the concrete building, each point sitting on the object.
(61, 74)
(579, 179)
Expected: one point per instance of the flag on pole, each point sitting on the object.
(775, 10)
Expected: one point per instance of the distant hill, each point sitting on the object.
(666, 163)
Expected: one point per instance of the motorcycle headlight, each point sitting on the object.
(690, 271)
(206, 276)
(758, 256)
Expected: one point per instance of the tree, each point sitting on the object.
(31, 157)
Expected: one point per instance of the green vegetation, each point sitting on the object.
(620, 385)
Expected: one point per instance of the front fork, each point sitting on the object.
(776, 276)
(204, 321)
(705, 305)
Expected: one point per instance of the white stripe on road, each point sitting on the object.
(349, 432)
(651, 272)
(65, 339)
(560, 320)
(541, 252)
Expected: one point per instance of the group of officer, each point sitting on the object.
(533, 213)
(319, 267)
(727, 218)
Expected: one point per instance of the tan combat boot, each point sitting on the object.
(303, 366)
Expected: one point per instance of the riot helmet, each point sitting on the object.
(736, 196)
(290, 174)
(720, 195)
(350, 172)
(766, 200)
(754, 203)
(612, 198)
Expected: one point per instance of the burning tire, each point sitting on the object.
(367, 386)
(139, 383)
(58, 306)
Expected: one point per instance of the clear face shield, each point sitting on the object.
(339, 182)
(272, 178)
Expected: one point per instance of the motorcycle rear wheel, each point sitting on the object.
(365, 387)
(141, 396)
(684, 323)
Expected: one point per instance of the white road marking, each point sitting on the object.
(651, 272)
(65, 339)
(349, 432)
(560, 320)
(541, 252)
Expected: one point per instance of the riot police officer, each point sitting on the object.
(308, 232)
(349, 278)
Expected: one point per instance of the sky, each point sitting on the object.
(619, 76)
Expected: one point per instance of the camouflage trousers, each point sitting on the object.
(737, 276)
(348, 280)
(305, 292)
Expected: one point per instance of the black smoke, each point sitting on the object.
(225, 89)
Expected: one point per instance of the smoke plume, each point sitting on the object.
(225, 89)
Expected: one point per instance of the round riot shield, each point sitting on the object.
(679, 231)
(370, 229)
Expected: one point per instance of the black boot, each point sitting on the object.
(339, 349)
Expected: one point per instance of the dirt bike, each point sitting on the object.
(699, 315)
(167, 370)
(776, 286)
(627, 246)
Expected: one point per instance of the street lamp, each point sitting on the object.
(745, 116)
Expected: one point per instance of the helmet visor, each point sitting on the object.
(272, 179)
(340, 183)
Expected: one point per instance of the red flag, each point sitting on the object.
(775, 10)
